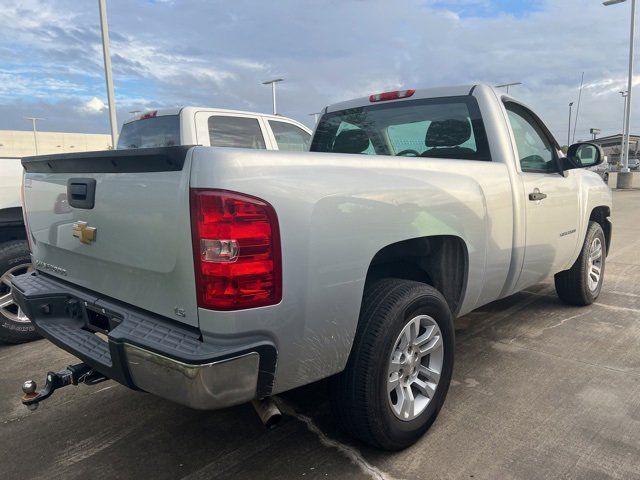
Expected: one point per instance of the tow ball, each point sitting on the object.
(72, 375)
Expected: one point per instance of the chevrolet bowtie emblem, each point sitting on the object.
(84, 233)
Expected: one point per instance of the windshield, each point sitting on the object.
(448, 127)
(162, 131)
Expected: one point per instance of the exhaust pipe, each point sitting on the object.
(268, 412)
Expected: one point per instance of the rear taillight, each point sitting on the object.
(395, 95)
(236, 249)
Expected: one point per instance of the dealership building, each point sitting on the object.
(19, 143)
(612, 146)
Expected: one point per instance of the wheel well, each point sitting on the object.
(440, 261)
(11, 225)
(600, 215)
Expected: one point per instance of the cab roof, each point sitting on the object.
(191, 110)
(419, 93)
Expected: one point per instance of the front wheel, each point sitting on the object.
(400, 366)
(581, 284)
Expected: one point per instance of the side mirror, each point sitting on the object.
(583, 155)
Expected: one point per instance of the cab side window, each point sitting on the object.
(289, 137)
(535, 150)
(240, 132)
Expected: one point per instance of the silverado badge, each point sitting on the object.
(84, 233)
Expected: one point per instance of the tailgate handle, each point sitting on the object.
(81, 192)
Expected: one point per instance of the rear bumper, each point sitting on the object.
(144, 351)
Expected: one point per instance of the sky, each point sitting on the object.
(216, 53)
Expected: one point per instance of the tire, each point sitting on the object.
(360, 396)
(578, 286)
(15, 327)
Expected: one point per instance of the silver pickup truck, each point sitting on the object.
(214, 276)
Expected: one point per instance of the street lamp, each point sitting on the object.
(625, 144)
(273, 91)
(35, 135)
(507, 85)
(569, 129)
(107, 72)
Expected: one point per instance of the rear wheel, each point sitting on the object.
(581, 284)
(400, 366)
(15, 327)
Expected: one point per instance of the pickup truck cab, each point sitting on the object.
(220, 276)
(214, 128)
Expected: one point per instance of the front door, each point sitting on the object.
(551, 199)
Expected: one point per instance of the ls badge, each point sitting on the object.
(84, 233)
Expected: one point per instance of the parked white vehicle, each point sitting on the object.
(218, 276)
(214, 128)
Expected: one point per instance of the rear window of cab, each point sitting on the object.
(157, 131)
(449, 127)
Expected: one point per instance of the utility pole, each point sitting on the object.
(273, 91)
(569, 129)
(624, 123)
(35, 132)
(624, 177)
(107, 72)
(625, 166)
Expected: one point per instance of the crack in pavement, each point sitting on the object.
(349, 452)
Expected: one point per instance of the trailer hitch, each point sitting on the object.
(72, 375)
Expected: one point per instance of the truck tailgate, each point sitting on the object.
(140, 251)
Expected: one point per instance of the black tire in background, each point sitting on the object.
(14, 326)
(360, 395)
(574, 286)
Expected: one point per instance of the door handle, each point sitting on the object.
(81, 192)
(537, 195)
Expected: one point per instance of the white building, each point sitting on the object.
(18, 143)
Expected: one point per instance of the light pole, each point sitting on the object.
(569, 129)
(315, 116)
(273, 91)
(507, 85)
(107, 72)
(622, 181)
(624, 123)
(35, 134)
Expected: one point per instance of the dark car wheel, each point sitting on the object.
(581, 284)
(15, 327)
(400, 366)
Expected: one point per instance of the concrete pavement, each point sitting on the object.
(540, 390)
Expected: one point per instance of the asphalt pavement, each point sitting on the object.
(540, 390)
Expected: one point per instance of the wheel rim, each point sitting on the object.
(594, 268)
(414, 368)
(8, 307)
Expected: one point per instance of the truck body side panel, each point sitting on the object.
(335, 213)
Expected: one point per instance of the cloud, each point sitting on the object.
(93, 106)
(217, 53)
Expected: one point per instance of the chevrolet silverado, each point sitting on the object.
(215, 276)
